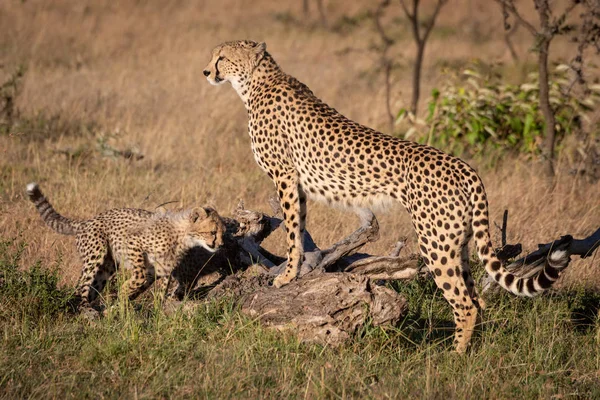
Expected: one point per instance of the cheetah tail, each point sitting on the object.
(49, 215)
(556, 261)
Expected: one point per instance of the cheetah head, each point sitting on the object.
(205, 229)
(234, 62)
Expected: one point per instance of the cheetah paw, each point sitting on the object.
(90, 313)
(281, 280)
(482, 304)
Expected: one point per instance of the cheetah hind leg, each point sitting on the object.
(96, 268)
(449, 276)
(468, 277)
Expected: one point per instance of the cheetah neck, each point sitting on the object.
(266, 71)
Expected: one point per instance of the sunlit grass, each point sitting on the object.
(524, 348)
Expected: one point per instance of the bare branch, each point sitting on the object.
(409, 15)
(387, 41)
(509, 5)
(315, 259)
(433, 18)
(386, 63)
(507, 39)
(578, 247)
(388, 268)
(535, 261)
(421, 41)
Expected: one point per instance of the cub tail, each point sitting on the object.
(53, 219)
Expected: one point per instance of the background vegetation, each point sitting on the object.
(109, 108)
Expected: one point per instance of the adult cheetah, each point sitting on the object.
(308, 148)
(153, 245)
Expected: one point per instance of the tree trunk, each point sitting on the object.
(322, 14)
(546, 108)
(417, 76)
(305, 8)
(388, 95)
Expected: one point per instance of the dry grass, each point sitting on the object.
(135, 69)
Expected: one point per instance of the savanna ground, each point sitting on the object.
(101, 76)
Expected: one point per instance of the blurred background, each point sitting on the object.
(104, 104)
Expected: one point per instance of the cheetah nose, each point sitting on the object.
(206, 72)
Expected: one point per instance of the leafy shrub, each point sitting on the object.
(475, 113)
(32, 293)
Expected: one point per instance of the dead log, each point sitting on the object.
(534, 262)
(248, 228)
(323, 307)
(326, 308)
(336, 293)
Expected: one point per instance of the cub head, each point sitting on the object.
(234, 62)
(205, 229)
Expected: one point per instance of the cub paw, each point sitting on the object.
(481, 302)
(281, 280)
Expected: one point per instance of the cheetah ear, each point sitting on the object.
(260, 49)
(197, 213)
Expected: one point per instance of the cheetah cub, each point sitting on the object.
(150, 244)
(309, 149)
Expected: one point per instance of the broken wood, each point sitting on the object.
(336, 293)
(326, 308)
(534, 262)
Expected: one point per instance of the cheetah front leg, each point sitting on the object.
(293, 204)
(141, 278)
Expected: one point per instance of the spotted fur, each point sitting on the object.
(308, 148)
(150, 244)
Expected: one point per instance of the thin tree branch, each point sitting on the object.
(510, 6)
(406, 11)
(431, 22)
(386, 63)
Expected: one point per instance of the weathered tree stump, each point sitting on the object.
(325, 308)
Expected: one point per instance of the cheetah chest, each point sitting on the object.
(269, 147)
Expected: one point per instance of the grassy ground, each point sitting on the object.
(538, 348)
(101, 77)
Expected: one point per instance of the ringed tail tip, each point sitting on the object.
(33, 191)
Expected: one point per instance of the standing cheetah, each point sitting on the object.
(151, 244)
(308, 148)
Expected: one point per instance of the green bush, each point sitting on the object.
(475, 113)
(30, 293)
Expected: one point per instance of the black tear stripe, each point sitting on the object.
(217, 67)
